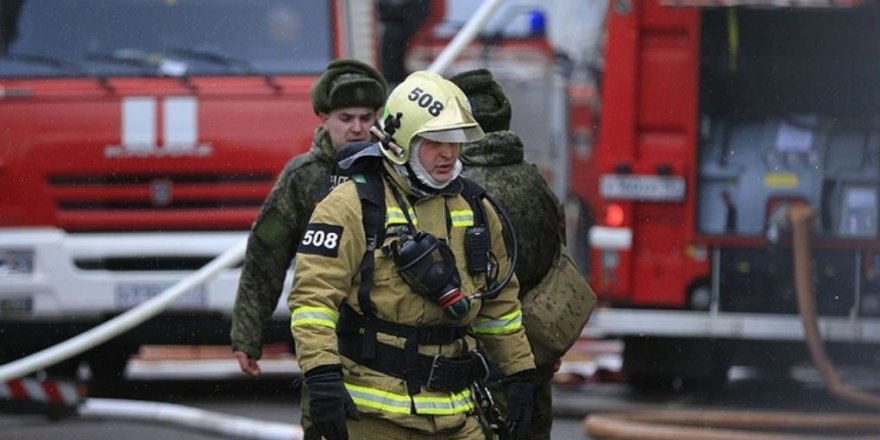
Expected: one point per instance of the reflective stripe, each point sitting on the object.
(462, 218)
(454, 403)
(508, 323)
(315, 316)
(394, 216)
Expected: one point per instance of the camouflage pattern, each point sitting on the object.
(273, 240)
(272, 244)
(497, 163)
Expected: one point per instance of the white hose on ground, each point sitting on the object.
(124, 322)
(464, 37)
(193, 418)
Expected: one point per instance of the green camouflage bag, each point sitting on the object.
(556, 310)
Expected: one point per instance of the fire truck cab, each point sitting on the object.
(717, 115)
(138, 139)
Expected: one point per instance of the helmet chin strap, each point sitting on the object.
(420, 171)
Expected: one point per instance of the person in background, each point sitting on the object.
(346, 99)
(401, 19)
(544, 270)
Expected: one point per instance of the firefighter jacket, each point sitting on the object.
(496, 162)
(328, 278)
(273, 238)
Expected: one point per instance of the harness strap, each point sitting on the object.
(351, 321)
(473, 193)
(371, 193)
(438, 373)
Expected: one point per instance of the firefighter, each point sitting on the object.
(346, 98)
(497, 163)
(385, 310)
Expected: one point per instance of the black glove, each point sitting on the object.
(520, 391)
(329, 402)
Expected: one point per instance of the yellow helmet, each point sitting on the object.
(426, 105)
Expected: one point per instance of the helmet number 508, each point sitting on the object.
(425, 101)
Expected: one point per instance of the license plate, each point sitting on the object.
(646, 188)
(129, 295)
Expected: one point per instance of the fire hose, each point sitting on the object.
(801, 216)
(742, 425)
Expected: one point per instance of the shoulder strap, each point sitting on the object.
(474, 193)
(471, 187)
(371, 192)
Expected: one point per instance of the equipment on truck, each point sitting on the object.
(712, 125)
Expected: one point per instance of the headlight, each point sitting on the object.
(16, 262)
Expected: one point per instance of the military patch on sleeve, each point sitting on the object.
(321, 239)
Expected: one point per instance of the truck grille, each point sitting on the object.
(135, 264)
(151, 202)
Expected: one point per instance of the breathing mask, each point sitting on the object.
(428, 267)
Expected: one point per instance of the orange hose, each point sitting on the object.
(801, 217)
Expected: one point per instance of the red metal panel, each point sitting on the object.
(73, 123)
(620, 80)
(649, 126)
(176, 220)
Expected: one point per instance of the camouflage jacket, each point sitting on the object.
(496, 162)
(273, 240)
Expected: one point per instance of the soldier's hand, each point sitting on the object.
(247, 364)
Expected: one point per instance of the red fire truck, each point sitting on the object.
(138, 139)
(715, 116)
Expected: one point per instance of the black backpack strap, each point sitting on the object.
(371, 192)
(474, 193)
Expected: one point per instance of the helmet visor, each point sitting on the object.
(457, 135)
(455, 124)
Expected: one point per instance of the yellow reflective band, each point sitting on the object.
(394, 216)
(454, 403)
(508, 323)
(314, 316)
(462, 218)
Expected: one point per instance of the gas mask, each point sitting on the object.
(428, 267)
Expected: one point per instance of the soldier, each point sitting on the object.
(497, 163)
(396, 287)
(346, 98)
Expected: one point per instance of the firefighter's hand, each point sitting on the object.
(247, 364)
(520, 390)
(329, 402)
